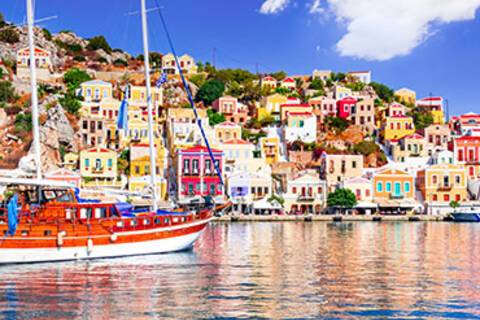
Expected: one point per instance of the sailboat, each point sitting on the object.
(47, 221)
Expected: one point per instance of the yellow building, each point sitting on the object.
(438, 116)
(342, 92)
(98, 167)
(70, 161)
(96, 90)
(227, 131)
(443, 183)
(397, 127)
(182, 128)
(393, 184)
(414, 145)
(138, 95)
(406, 95)
(270, 149)
(273, 102)
(139, 180)
(187, 64)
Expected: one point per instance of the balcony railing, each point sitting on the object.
(396, 196)
(98, 170)
(306, 197)
(445, 188)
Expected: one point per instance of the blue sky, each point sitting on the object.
(434, 49)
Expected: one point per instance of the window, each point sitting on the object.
(446, 197)
(379, 187)
(186, 165)
(388, 187)
(137, 169)
(434, 197)
(458, 198)
(434, 180)
(98, 164)
(458, 180)
(354, 164)
(407, 187)
(294, 190)
(85, 125)
(110, 163)
(195, 166)
(87, 163)
(446, 181)
(212, 189)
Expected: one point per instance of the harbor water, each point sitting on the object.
(273, 270)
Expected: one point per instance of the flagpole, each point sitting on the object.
(33, 86)
(149, 106)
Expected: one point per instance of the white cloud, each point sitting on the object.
(273, 6)
(384, 29)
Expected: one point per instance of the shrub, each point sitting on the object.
(120, 62)
(102, 60)
(99, 42)
(365, 148)
(79, 58)
(23, 122)
(74, 77)
(215, 117)
(47, 34)
(210, 91)
(70, 103)
(383, 92)
(7, 92)
(342, 198)
(9, 35)
(338, 124)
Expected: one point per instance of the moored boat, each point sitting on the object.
(43, 222)
(467, 216)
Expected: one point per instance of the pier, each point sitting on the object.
(331, 218)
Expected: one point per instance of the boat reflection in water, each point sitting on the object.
(271, 270)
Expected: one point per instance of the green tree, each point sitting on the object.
(279, 75)
(124, 162)
(2, 21)
(74, 77)
(120, 62)
(200, 66)
(47, 34)
(9, 35)
(342, 198)
(210, 91)
(235, 89)
(23, 122)
(214, 117)
(7, 92)
(383, 92)
(337, 124)
(70, 103)
(197, 79)
(316, 84)
(365, 148)
(355, 86)
(99, 42)
(422, 120)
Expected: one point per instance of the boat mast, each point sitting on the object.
(149, 106)
(33, 87)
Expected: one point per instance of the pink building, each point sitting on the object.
(64, 175)
(467, 152)
(345, 107)
(233, 110)
(196, 174)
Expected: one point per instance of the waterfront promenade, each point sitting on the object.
(332, 218)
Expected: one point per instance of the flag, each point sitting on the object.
(161, 80)
(122, 121)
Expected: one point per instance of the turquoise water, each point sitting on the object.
(268, 270)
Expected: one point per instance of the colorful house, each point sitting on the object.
(182, 128)
(96, 90)
(273, 102)
(238, 156)
(323, 75)
(227, 131)
(247, 187)
(43, 63)
(233, 110)
(139, 180)
(345, 107)
(363, 115)
(289, 83)
(398, 127)
(443, 183)
(362, 76)
(187, 64)
(467, 153)
(326, 106)
(434, 105)
(396, 110)
(64, 175)
(466, 124)
(290, 108)
(197, 175)
(413, 145)
(70, 161)
(342, 92)
(137, 95)
(98, 167)
(336, 168)
(361, 187)
(443, 157)
(438, 137)
(269, 83)
(394, 191)
(406, 95)
(270, 149)
(300, 126)
(305, 193)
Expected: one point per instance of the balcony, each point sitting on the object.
(188, 173)
(96, 170)
(445, 188)
(306, 197)
(397, 196)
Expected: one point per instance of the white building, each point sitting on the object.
(301, 126)
(362, 76)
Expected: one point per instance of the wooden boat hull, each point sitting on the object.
(172, 239)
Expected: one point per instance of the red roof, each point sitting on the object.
(301, 105)
(348, 99)
(299, 113)
(432, 99)
(467, 138)
(288, 80)
(268, 78)
(414, 136)
(199, 149)
(98, 149)
(399, 116)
